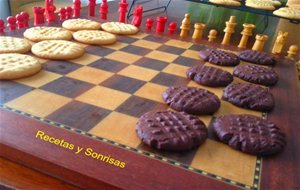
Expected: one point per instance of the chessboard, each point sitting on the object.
(96, 100)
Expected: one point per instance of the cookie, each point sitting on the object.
(263, 5)
(14, 45)
(119, 28)
(249, 96)
(256, 74)
(14, 66)
(81, 24)
(274, 3)
(209, 76)
(250, 134)
(57, 49)
(171, 131)
(226, 2)
(94, 37)
(37, 34)
(219, 57)
(191, 100)
(257, 57)
(288, 12)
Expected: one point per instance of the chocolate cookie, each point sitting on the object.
(249, 96)
(249, 134)
(209, 76)
(257, 57)
(191, 100)
(173, 131)
(256, 74)
(219, 57)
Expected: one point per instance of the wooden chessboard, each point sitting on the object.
(96, 100)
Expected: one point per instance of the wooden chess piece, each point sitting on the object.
(123, 10)
(26, 19)
(149, 23)
(293, 50)
(62, 14)
(92, 5)
(185, 25)
(39, 17)
(212, 35)
(246, 33)
(279, 43)
(76, 8)
(69, 11)
(172, 28)
(137, 16)
(161, 22)
(260, 42)
(11, 23)
(103, 10)
(198, 32)
(2, 26)
(229, 30)
(20, 21)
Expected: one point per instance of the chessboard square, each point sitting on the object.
(189, 62)
(198, 47)
(137, 106)
(86, 59)
(227, 108)
(171, 49)
(108, 65)
(176, 69)
(124, 57)
(91, 75)
(229, 69)
(151, 63)
(136, 50)
(67, 87)
(126, 39)
(122, 83)
(103, 97)
(39, 102)
(10, 90)
(79, 115)
(156, 38)
(237, 166)
(169, 80)
(119, 128)
(98, 50)
(146, 44)
(191, 54)
(137, 72)
(41, 78)
(116, 46)
(61, 67)
(179, 44)
(218, 91)
(139, 35)
(162, 56)
(152, 91)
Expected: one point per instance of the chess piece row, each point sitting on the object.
(15, 22)
(160, 25)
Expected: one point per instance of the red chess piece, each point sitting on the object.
(92, 5)
(11, 23)
(76, 8)
(103, 9)
(149, 23)
(51, 14)
(160, 26)
(172, 27)
(26, 19)
(137, 18)
(38, 15)
(69, 11)
(20, 21)
(2, 26)
(123, 10)
(62, 13)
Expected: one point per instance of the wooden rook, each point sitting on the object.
(103, 10)
(246, 33)
(260, 42)
(25, 15)
(92, 5)
(185, 25)
(279, 43)
(229, 30)
(212, 35)
(149, 23)
(76, 8)
(161, 22)
(293, 50)
(11, 23)
(2, 26)
(198, 31)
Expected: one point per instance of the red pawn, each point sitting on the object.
(2, 26)
(62, 13)
(137, 16)
(51, 14)
(77, 7)
(172, 27)
(26, 19)
(11, 23)
(103, 9)
(123, 10)
(69, 11)
(149, 23)
(20, 21)
(38, 15)
(92, 5)
(161, 22)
